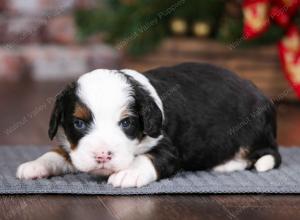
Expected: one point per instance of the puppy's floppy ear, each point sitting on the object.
(62, 100)
(56, 116)
(151, 117)
(149, 112)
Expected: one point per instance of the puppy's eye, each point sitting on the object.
(126, 123)
(79, 124)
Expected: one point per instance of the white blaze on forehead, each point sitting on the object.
(147, 85)
(108, 89)
(105, 92)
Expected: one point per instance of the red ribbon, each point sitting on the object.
(258, 15)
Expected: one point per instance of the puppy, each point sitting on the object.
(138, 128)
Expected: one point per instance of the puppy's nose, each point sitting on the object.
(103, 156)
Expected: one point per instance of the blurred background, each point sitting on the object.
(46, 43)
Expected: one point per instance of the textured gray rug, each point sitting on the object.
(284, 180)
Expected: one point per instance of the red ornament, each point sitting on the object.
(258, 15)
(256, 20)
(282, 11)
(289, 52)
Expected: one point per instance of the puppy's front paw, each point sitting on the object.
(140, 173)
(129, 178)
(32, 170)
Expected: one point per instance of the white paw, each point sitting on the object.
(265, 163)
(32, 170)
(129, 178)
(140, 173)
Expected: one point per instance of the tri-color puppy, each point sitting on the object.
(138, 128)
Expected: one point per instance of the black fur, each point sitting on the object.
(210, 113)
(57, 115)
(146, 108)
(134, 131)
(165, 158)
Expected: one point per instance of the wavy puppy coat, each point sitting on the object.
(138, 128)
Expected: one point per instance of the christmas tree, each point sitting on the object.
(139, 25)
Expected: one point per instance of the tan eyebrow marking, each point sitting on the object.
(126, 112)
(81, 112)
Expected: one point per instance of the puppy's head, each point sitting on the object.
(106, 118)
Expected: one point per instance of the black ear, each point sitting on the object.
(150, 114)
(56, 116)
(151, 117)
(62, 101)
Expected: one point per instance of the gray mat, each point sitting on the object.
(284, 180)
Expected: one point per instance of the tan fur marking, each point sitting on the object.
(81, 112)
(125, 113)
(73, 146)
(62, 153)
(242, 153)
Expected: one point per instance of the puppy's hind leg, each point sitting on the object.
(265, 155)
(266, 159)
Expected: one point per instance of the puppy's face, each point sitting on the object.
(105, 119)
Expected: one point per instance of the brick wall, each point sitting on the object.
(38, 40)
